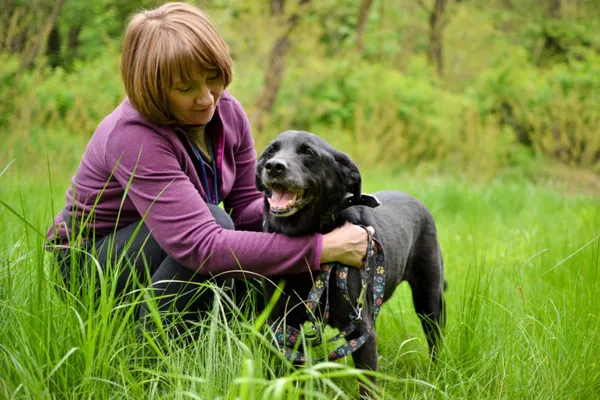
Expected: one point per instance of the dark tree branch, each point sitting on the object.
(423, 6)
(363, 15)
(436, 32)
(37, 47)
(555, 9)
(276, 64)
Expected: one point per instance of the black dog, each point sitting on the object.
(306, 182)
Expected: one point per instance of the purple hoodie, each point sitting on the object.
(162, 183)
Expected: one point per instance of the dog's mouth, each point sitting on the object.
(286, 201)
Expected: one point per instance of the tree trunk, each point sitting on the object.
(277, 7)
(37, 47)
(436, 31)
(276, 64)
(53, 47)
(555, 9)
(73, 38)
(16, 25)
(363, 15)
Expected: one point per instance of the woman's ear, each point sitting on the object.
(349, 174)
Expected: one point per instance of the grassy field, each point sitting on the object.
(522, 265)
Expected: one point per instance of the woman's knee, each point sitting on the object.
(177, 289)
(131, 253)
(221, 217)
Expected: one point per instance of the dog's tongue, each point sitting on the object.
(281, 197)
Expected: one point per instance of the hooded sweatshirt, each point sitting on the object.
(133, 169)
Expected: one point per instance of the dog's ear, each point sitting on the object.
(349, 174)
(260, 163)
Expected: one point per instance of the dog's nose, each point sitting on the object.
(275, 167)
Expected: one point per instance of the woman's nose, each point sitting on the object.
(205, 97)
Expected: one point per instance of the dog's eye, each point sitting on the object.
(309, 152)
(271, 150)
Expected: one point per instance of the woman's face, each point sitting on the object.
(194, 102)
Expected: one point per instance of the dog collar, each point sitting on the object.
(367, 200)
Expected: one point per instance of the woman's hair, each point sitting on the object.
(173, 40)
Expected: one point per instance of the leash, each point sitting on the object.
(287, 337)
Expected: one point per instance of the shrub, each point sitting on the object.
(384, 116)
(76, 101)
(554, 112)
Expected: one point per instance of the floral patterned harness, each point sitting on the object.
(287, 337)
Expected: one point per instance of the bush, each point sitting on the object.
(76, 101)
(567, 125)
(49, 112)
(384, 116)
(554, 112)
(8, 86)
(494, 107)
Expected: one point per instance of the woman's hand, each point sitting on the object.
(347, 245)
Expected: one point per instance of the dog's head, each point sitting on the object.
(305, 181)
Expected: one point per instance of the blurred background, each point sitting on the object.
(474, 88)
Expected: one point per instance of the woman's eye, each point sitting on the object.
(184, 89)
(213, 76)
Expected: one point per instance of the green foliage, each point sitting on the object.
(551, 41)
(555, 111)
(506, 100)
(55, 99)
(373, 103)
(8, 85)
(384, 116)
(99, 23)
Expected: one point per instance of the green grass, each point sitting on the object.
(522, 265)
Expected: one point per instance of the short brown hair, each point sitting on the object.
(173, 40)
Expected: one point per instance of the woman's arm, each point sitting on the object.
(180, 220)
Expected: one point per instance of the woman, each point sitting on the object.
(176, 147)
